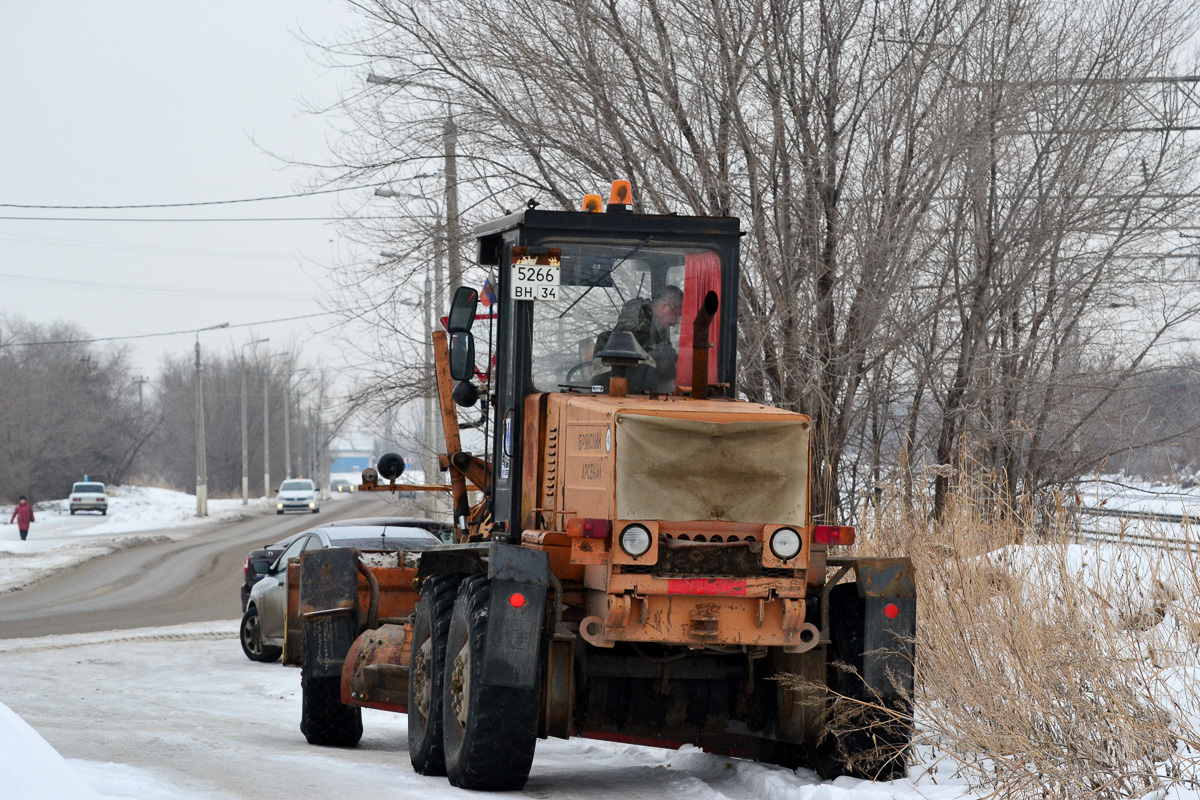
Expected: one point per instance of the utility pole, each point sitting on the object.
(287, 428)
(141, 381)
(449, 141)
(245, 428)
(266, 437)
(201, 463)
(431, 445)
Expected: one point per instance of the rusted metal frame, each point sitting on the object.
(825, 590)
(458, 485)
(473, 468)
(403, 487)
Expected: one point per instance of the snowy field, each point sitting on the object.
(136, 514)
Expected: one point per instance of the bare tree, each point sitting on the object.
(942, 200)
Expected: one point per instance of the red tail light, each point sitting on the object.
(246, 567)
(833, 534)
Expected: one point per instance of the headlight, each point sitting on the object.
(279, 505)
(312, 505)
(635, 540)
(786, 544)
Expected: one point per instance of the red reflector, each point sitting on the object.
(891, 611)
(597, 528)
(833, 534)
(516, 600)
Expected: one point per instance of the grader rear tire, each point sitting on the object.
(490, 731)
(430, 625)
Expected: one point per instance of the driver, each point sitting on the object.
(650, 322)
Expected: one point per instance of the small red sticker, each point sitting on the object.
(891, 611)
(516, 600)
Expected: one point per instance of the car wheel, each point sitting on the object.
(251, 636)
(279, 511)
(104, 513)
(72, 512)
(316, 511)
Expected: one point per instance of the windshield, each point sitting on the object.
(296, 486)
(92, 488)
(639, 287)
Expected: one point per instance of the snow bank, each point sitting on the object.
(30, 769)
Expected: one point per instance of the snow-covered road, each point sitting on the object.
(180, 713)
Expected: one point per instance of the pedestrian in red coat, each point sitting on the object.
(23, 514)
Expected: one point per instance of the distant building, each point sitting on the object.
(350, 454)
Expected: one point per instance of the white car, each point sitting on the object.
(297, 495)
(265, 618)
(89, 496)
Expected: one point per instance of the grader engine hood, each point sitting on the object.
(672, 468)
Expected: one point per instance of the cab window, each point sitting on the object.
(651, 291)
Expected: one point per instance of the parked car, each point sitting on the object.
(258, 564)
(341, 485)
(299, 494)
(265, 614)
(89, 496)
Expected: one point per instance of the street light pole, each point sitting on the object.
(201, 463)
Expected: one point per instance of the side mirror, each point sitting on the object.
(462, 354)
(462, 310)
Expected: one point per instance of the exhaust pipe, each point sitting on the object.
(701, 345)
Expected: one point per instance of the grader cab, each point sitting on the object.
(639, 562)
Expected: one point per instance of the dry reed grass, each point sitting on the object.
(1047, 668)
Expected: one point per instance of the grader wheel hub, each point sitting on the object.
(460, 685)
(422, 686)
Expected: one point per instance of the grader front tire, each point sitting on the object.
(490, 731)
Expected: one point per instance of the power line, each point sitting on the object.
(185, 219)
(167, 333)
(199, 203)
(149, 288)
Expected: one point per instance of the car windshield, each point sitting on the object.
(91, 488)
(296, 486)
(640, 287)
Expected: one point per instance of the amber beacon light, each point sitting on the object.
(621, 197)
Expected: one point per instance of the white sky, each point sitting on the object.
(149, 102)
